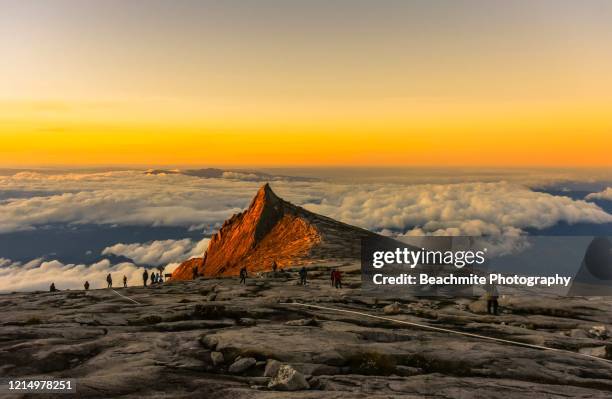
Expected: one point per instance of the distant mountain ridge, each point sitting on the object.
(274, 230)
(235, 174)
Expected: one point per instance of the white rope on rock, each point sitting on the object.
(126, 297)
(446, 330)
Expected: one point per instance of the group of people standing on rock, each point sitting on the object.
(109, 281)
(156, 278)
(86, 285)
(336, 276)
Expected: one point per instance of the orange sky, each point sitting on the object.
(310, 84)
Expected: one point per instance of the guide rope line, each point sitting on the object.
(446, 330)
(126, 297)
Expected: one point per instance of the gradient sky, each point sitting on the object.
(506, 83)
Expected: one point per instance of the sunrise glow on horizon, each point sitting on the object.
(276, 83)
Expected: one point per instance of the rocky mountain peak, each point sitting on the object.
(274, 230)
(265, 211)
(265, 194)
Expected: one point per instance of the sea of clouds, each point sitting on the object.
(32, 200)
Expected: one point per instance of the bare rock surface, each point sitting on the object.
(251, 343)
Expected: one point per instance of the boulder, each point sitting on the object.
(242, 365)
(288, 379)
(272, 367)
(598, 351)
(600, 332)
(392, 309)
(217, 358)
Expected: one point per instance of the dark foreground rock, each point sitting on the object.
(179, 342)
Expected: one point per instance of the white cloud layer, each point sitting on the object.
(602, 195)
(136, 198)
(38, 275)
(456, 209)
(158, 253)
(124, 198)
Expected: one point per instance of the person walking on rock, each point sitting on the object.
(145, 277)
(124, 281)
(303, 275)
(194, 273)
(86, 285)
(243, 275)
(338, 279)
(109, 280)
(492, 295)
